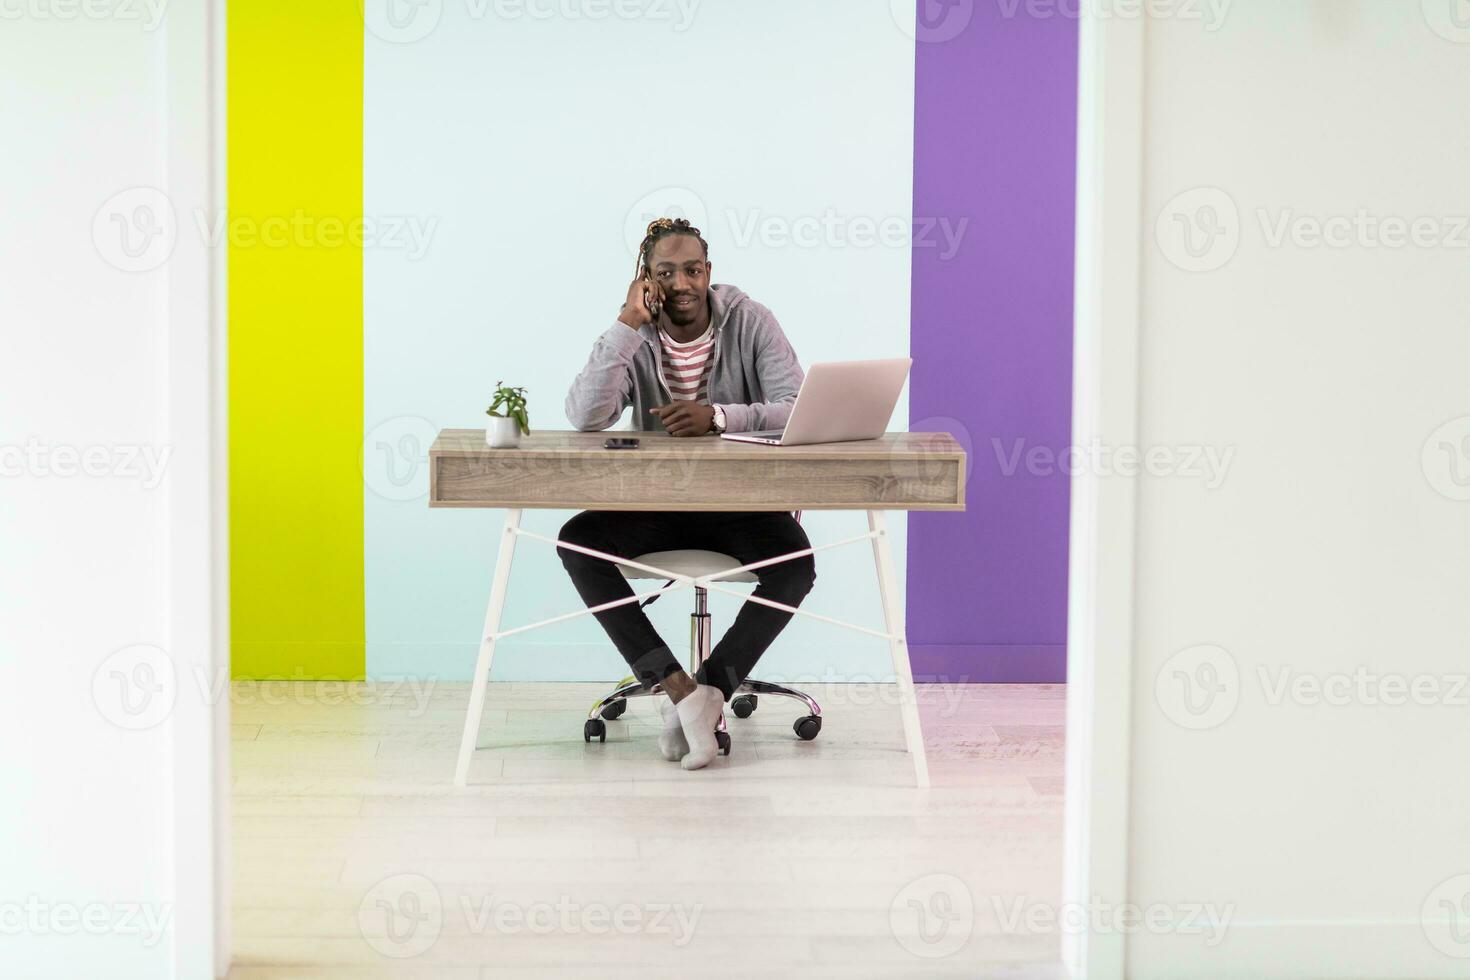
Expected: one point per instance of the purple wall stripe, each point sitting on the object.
(994, 145)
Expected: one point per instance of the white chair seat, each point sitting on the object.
(689, 562)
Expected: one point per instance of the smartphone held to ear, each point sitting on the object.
(652, 300)
(617, 443)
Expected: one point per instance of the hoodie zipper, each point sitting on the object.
(714, 354)
(658, 364)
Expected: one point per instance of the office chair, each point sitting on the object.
(695, 562)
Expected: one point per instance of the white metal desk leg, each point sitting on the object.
(893, 619)
(487, 646)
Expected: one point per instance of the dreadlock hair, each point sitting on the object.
(661, 228)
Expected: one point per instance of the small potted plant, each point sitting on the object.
(508, 419)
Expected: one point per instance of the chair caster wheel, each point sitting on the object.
(614, 711)
(744, 705)
(723, 740)
(807, 728)
(594, 728)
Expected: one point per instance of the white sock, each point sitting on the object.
(671, 742)
(699, 713)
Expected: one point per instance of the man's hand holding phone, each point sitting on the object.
(645, 301)
(685, 418)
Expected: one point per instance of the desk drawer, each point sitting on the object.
(631, 481)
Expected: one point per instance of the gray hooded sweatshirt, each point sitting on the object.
(753, 375)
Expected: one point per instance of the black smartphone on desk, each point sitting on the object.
(617, 443)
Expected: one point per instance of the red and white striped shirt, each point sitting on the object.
(686, 366)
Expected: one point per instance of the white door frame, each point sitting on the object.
(197, 484)
(1100, 613)
(1104, 412)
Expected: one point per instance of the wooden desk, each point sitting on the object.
(572, 470)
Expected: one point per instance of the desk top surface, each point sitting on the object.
(562, 443)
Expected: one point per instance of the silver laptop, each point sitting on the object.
(839, 401)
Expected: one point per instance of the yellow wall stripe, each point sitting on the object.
(295, 189)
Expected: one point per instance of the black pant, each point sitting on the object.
(746, 536)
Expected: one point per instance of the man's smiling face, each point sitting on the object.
(677, 263)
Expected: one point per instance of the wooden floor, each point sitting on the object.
(355, 859)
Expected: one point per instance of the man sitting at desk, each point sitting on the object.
(696, 359)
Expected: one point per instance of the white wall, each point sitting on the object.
(87, 870)
(1330, 545)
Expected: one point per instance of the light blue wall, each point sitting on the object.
(539, 148)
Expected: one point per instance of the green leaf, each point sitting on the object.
(513, 402)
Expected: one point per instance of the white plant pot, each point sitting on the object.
(502, 433)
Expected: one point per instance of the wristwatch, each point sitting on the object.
(719, 419)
